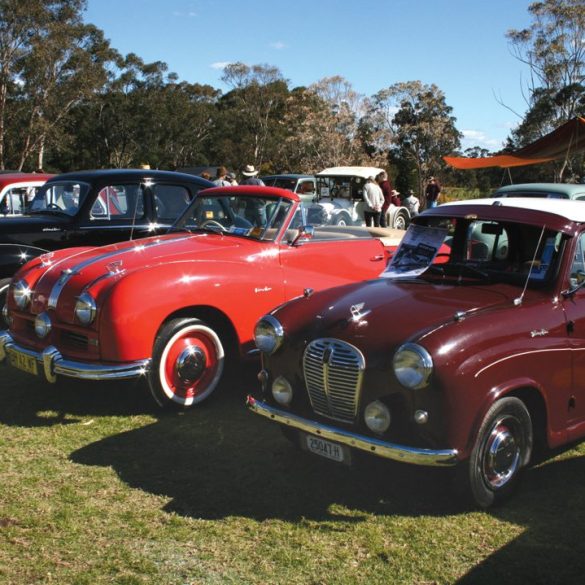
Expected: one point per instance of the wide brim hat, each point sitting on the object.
(249, 171)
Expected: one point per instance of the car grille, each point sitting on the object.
(333, 374)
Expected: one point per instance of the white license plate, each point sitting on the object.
(23, 362)
(325, 448)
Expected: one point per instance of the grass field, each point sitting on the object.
(97, 486)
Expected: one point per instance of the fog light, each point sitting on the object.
(377, 417)
(5, 315)
(282, 391)
(42, 325)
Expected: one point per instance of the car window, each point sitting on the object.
(60, 197)
(118, 202)
(17, 199)
(577, 274)
(170, 201)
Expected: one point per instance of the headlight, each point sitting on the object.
(42, 325)
(377, 417)
(413, 365)
(21, 294)
(85, 309)
(268, 334)
(282, 391)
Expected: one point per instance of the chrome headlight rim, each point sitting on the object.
(85, 309)
(21, 294)
(403, 365)
(43, 325)
(269, 340)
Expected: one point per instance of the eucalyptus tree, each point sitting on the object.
(414, 123)
(50, 61)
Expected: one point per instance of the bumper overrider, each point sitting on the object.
(428, 457)
(51, 363)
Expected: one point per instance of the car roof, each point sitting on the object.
(555, 210)
(251, 190)
(568, 189)
(363, 172)
(287, 176)
(130, 174)
(13, 178)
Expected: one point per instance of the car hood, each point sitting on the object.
(388, 312)
(62, 276)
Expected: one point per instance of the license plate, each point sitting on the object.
(325, 448)
(23, 362)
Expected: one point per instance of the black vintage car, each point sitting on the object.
(93, 208)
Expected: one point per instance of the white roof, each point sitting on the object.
(363, 172)
(570, 209)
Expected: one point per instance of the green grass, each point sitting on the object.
(97, 486)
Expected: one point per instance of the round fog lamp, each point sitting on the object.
(5, 314)
(282, 391)
(42, 325)
(377, 417)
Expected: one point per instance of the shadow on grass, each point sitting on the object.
(23, 398)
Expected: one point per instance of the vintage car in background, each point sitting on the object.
(469, 356)
(17, 190)
(545, 190)
(179, 309)
(340, 193)
(91, 208)
(302, 185)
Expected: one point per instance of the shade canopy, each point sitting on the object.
(566, 140)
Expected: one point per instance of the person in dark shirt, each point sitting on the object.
(432, 192)
(386, 186)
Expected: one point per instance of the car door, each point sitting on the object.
(574, 306)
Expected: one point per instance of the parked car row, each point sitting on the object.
(456, 343)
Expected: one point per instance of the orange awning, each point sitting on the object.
(566, 140)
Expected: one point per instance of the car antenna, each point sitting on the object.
(518, 300)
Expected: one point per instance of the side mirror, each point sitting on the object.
(306, 232)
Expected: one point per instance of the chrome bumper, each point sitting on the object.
(52, 364)
(429, 457)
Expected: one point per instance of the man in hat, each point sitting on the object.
(250, 177)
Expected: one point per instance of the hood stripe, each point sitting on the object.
(66, 275)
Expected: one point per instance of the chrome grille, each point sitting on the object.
(333, 374)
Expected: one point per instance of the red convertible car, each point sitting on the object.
(178, 309)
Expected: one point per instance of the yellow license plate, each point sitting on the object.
(23, 362)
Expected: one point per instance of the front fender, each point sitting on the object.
(133, 309)
(14, 256)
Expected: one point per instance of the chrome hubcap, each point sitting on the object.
(502, 456)
(191, 364)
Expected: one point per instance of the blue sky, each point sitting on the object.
(459, 45)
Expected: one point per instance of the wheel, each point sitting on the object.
(503, 447)
(187, 363)
(212, 224)
(342, 219)
(4, 283)
(400, 221)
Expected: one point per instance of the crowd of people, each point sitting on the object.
(378, 193)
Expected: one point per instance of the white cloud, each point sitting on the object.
(220, 64)
(278, 45)
(478, 138)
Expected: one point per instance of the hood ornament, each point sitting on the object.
(115, 267)
(357, 312)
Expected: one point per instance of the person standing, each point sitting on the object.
(250, 177)
(387, 192)
(432, 191)
(412, 203)
(373, 202)
(222, 180)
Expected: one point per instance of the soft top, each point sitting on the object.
(363, 172)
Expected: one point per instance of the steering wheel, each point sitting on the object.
(212, 223)
(53, 206)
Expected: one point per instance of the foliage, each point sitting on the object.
(554, 51)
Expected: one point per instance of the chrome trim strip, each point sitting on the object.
(70, 272)
(52, 364)
(403, 453)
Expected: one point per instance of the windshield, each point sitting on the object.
(62, 197)
(250, 216)
(498, 251)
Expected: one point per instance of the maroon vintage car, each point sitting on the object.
(472, 354)
(179, 309)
